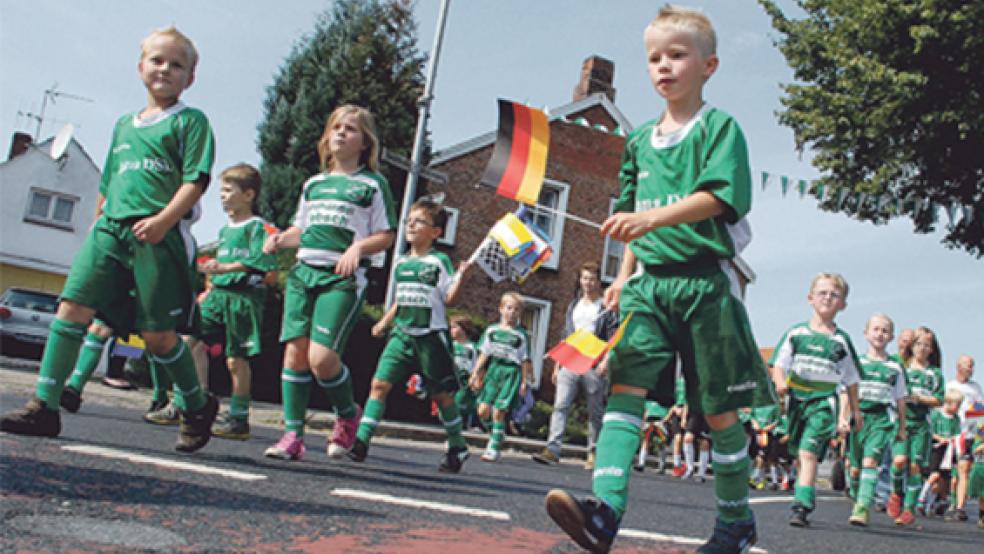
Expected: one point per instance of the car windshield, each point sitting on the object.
(28, 300)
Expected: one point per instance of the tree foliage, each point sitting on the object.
(889, 97)
(361, 52)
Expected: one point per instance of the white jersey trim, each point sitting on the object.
(157, 117)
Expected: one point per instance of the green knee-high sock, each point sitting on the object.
(239, 407)
(296, 390)
(852, 486)
(912, 490)
(805, 496)
(58, 360)
(451, 418)
(339, 392)
(92, 349)
(616, 448)
(495, 437)
(898, 480)
(730, 462)
(160, 380)
(371, 417)
(866, 487)
(180, 367)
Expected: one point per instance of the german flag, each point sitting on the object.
(519, 159)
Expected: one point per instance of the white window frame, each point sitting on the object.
(538, 338)
(450, 228)
(49, 219)
(605, 278)
(556, 231)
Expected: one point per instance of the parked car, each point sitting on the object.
(25, 315)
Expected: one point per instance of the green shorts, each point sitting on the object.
(501, 387)
(877, 434)
(465, 397)
(135, 285)
(917, 443)
(322, 305)
(812, 423)
(690, 312)
(429, 354)
(975, 487)
(234, 316)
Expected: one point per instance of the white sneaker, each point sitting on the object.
(491, 456)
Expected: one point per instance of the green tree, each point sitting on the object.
(361, 52)
(889, 98)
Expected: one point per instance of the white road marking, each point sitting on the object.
(416, 503)
(786, 499)
(162, 462)
(649, 535)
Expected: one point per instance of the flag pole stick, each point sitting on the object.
(567, 215)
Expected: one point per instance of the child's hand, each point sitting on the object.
(379, 329)
(150, 229)
(272, 243)
(474, 383)
(522, 389)
(210, 267)
(613, 293)
(349, 262)
(628, 226)
(843, 425)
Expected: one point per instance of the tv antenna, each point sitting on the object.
(51, 94)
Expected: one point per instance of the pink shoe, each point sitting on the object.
(343, 434)
(290, 447)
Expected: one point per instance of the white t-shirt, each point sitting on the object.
(972, 393)
(586, 313)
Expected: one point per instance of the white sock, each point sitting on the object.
(774, 471)
(688, 453)
(924, 493)
(705, 455)
(676, 459)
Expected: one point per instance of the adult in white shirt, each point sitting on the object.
(972, 393)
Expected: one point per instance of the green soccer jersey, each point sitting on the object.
(464, 356)
(505, 345)
(882, 383)
(765, 415)
(149, 159)
(944, 425)
(816, 363)
(243, 242)
(707, 154)
(924, 382)
(334, 211)
(421, 290)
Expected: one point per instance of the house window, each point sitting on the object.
(51, 208)
(536, 320)
(553, 195)
(611, 261)
(451, 229)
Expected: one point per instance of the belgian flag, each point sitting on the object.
(519, 159)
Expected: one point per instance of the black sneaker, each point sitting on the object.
(231, 428)
(590, 522)
(453, 459)
(35, 419)
(71, 399)
(359, 451)
(798, 516)
(196, 427)
(961, 514)
(730, 538)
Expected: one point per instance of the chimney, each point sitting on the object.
(597, 75)
(19, 144)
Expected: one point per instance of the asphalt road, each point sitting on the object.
(108, 484)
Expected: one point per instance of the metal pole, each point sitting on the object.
(418, 149)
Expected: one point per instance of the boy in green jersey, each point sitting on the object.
(924, 383)
(685, 189)
(159, 163)
(425, 284)
(813, 359)
(881, 394)
(344, 215)
(502, 371)
(465, 354)
(944, 426)
(232, 312)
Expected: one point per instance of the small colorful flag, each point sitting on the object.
(512, 234)
(132, 347)
(582, 350)
(514, 248)
(519, 159)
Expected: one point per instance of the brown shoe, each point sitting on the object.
(196, 427)
(546, 457)
(589, 461)
(35, 419)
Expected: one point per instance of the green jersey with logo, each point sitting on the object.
(882, 384)
(765, 415)
(944, 425)
(336, 210)
(924, 382)
(505, 345)
(149, 159)
(421, 290)
(707, 154)
(816, 363)
(243, 242)
(464, 356)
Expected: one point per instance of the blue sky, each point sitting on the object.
(526, 51)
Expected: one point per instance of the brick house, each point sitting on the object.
(587, 137)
